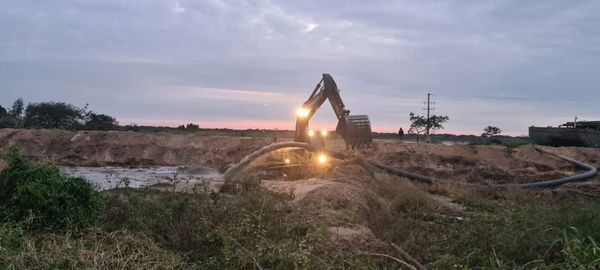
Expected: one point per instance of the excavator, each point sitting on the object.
(354, 129)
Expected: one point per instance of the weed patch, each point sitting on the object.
(92, 250)
(500, 229)
(220, 231)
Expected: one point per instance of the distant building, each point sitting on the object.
(581, 133)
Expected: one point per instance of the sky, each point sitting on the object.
(250, 64)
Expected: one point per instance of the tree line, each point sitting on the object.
(58, 115)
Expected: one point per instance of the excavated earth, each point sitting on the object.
(332, 195)
(116, 148)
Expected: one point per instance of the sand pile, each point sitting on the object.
(465, 163)
(481, 163)
(116, 148)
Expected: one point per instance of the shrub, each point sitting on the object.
(97, 121)
(41, 197)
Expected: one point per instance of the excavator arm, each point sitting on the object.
(355, 129)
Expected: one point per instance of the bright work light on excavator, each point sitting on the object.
(322, 158)
(311, 133)
(302, 112)
(324, 133)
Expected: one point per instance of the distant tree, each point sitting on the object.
(53, 115)
(16, 111)
(132, 127)
(96, 121)
(419, 123)
(181, 127)
(491, 131)
(14, 116)
(5, 120)
(192, 126)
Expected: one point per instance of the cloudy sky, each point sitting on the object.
(239, 64)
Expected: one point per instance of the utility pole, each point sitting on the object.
(429, 108)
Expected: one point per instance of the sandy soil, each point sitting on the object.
(481, 163)
(453, 162)
(115, 148)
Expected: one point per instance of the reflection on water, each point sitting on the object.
(113, 177)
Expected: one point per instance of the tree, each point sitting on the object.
(13, 117)
(16, 112)
(96, 121)
(192, 126)
(419, 123)
(53, 115)
(5, 120)
(491, 131)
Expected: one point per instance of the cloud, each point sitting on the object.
(232, 57)
(310, 27)
(250, 96)
(178, 8)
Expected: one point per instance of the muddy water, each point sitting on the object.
(104, 178)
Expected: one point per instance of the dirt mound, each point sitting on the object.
(481, 163)
(99, 148)
(341, 199)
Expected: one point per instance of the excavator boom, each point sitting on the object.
(355, 129)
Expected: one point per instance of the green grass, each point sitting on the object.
(509, 142)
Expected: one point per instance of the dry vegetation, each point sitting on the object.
(343, 216)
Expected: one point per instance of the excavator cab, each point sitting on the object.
(354, 129)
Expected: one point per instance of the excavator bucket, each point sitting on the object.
(356, 130)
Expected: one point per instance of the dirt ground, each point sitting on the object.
(479, 163)
(332, 195)
(455, 163)
(116, 148)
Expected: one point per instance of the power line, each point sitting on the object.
(429, 107)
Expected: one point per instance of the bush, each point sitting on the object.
(41, 197)
(97, 121)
